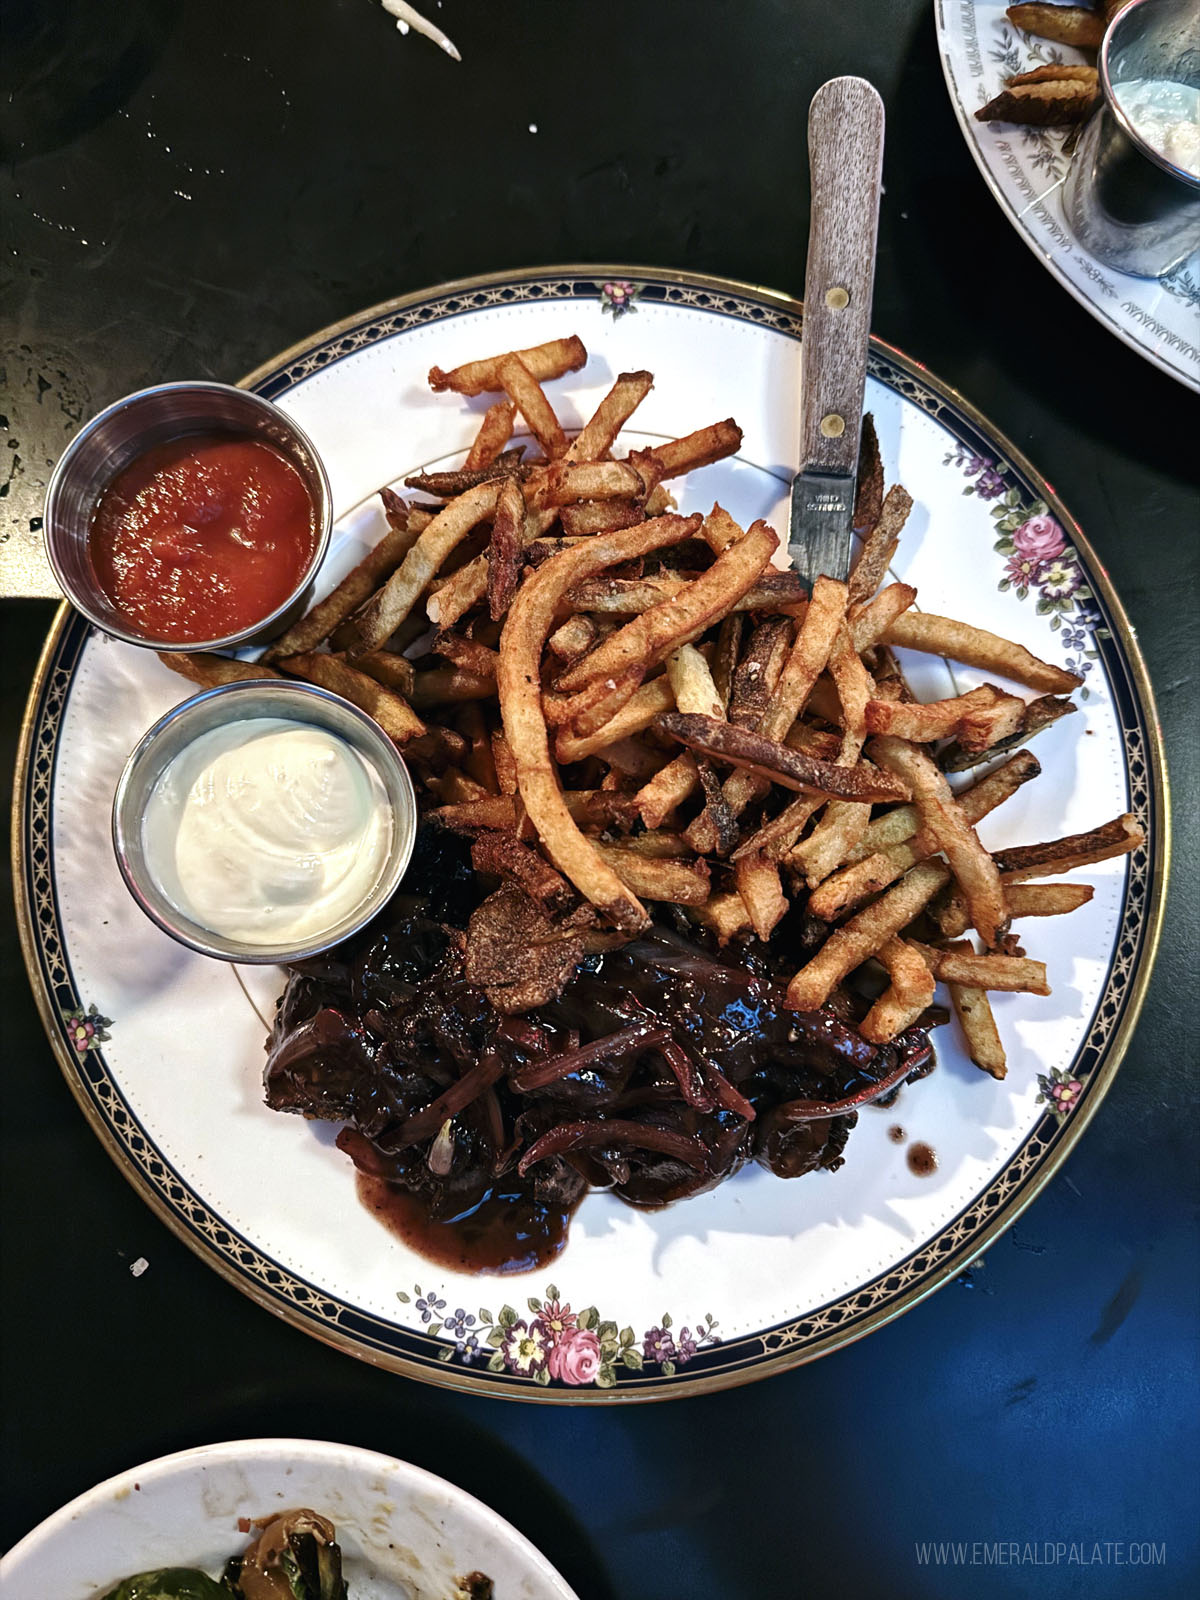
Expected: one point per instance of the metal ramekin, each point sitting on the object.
(113, 439)
(1126, 202)
(233, 702)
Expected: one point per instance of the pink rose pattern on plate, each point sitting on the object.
(1038, 560)
(554, 1344)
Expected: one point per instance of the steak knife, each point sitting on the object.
(845, 155)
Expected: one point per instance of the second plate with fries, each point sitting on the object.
(164, 1049)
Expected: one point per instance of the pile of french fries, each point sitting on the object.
(618, 703)
(1056, 94)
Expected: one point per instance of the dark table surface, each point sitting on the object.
(189, 187)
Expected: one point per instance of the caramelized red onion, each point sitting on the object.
(662, 1068)
(612, 1133)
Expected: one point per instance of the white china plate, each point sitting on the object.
(164, 1049)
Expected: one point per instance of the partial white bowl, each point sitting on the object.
(405, 1534)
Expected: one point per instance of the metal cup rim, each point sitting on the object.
(208, 942)
(243, 636)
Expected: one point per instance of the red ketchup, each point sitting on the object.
(203, 537)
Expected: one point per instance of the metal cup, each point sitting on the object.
(248, 699)
(1127, 203)
(123, 431)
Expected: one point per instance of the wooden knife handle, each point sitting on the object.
(845, 153)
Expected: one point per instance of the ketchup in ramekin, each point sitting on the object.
(203, 536)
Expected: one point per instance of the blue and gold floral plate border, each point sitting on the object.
(545, 1351)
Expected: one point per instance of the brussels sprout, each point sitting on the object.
(169, 1583)
(294, 1558)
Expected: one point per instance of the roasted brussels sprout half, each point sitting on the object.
(296, 1557)
(168, 1583)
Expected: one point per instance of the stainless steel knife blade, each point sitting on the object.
(820, 526)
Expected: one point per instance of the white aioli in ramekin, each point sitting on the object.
(267, 830)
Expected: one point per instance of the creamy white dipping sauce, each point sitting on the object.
(1167, 116)
(269, 830)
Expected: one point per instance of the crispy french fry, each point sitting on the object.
(724, 914)
(504, 550)
(1115, 838)
(864, 935)
(494, 433)
(577, 634)
(383, 614)
(910, 991)
(1060, 104)
(725, 655)
(635, 716)
(649, 638)
(495, 812)
(1077, 25)
(720, 530)
(530, 619)
(699, 449)
(870, 622)
(974, 1012)
(544, 361)
(975, 647)
(468, 653)
(945, 821)
(450, 686)
(506, 767)
(1039, 714)
(390, 710)
(389, 668)
(357, 586)
(692, 683)
(208, 670)
(844, 821)
(808, 657)
(480, 762)
(868, 490)
(773, 591)
(775, 839)
(742, 748)
(757, 674)
(683, 883)
(450, 484)
(660, 797)
(593, 707)
(758, 883)
(599, 433)
(521, 387)
(1020, 900)
(880, 545)
(979, 718)
(984, 795)
(503, 855)
(840, 828)
(599, 516)
(1057, 72)
(1013, 974)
